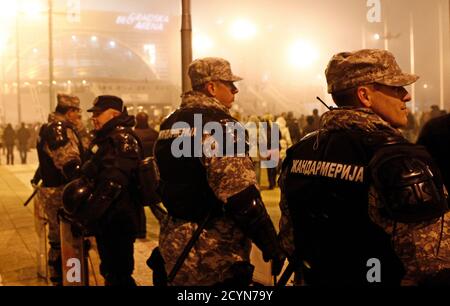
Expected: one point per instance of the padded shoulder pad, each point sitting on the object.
(233, 139)
(236, 138)
(408, 183)
(126, 143)
(56, 135)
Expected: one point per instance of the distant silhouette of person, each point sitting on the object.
(293, 126)
(273, 152)
(9, 137)
(316, 119)
(310, 126)
(433, 113)
(23, 137)
(147, 135)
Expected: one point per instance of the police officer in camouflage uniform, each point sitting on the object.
(197, 184)
(104, 200)
(60, 152)
(356, 191)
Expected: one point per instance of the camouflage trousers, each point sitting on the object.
(52, 199)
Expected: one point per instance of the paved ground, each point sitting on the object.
(19, 243)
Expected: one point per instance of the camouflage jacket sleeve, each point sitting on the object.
(228, 176)
(63, 154)
(419, 245)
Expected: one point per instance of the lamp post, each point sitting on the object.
(441, 56)
(19, 103)
(50, 55)
(412, 60)
(186, 43)
(385, 27)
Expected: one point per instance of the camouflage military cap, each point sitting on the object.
(351, 69)
(68, 101)
(210, 69)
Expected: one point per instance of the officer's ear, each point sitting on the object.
(210, 89)
(115, 113)
(364, 94)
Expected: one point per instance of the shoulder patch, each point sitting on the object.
(56, 135)
(94, 149)
(126, 143)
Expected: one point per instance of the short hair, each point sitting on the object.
(346, 97)
(200, 87)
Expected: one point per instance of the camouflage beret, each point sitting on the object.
(68, 101)
(351, 69)
(211, 69)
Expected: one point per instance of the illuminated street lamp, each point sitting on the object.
(242, 29)
(303, 54)
(32, 9)
(202, 44)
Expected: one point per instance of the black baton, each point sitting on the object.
(30, 197)
(187, 249)
(286, 275)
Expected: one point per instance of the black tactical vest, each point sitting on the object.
(326, 187)
(52, 176)
(183, 185)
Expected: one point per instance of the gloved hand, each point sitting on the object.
(34, 183)
(277, 263)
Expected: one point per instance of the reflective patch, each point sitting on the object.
(94, 149)
(351, 173)
(175, 133)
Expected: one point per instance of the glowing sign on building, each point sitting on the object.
(146, 22)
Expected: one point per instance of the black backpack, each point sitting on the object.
(146, 178)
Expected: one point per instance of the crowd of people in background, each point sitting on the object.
(292, 129)
(22, 138)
